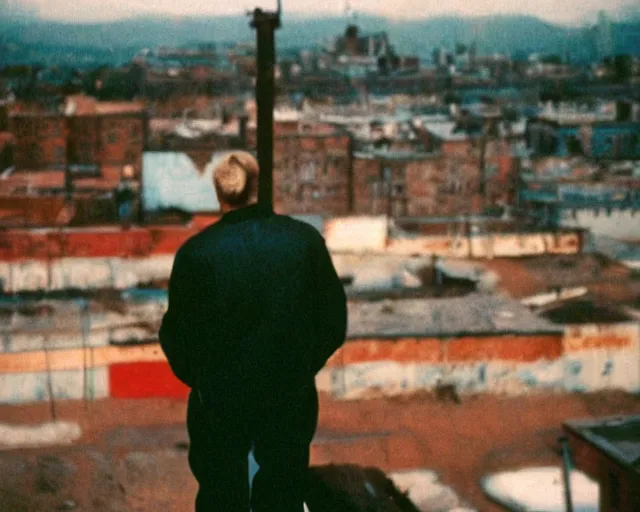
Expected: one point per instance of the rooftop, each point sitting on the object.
(448, 131)
(585, 311)
(522, 277)
(475, 313)
(81, 105)
(123, 443)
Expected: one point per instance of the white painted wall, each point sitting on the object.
(67, 385)
(622, 224)
(83, 273)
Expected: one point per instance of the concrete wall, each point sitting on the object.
(65, 385)
(587, 358)
(488, 246)
(83, 273)
(602, 357)
(52, 259)
(583, 359)
(621, 224)
(356, 234)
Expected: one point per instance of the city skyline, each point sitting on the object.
(570, 13)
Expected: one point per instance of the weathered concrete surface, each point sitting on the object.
(66, 385)
(532, 489)
(487, 246)
(583, 359)
(602, 357)
(112, 258)
(49, 433)
(620, 224)
(387, 378)
(380, 271)
(84, 273)
(356, 234)
(460, 442)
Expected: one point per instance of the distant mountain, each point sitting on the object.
(501, 34)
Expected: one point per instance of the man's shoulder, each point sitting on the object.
(277, 224)
(299, 227)
(198, 241)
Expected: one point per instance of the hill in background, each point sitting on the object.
(32, 39)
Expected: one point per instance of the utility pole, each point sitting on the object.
(265, 23)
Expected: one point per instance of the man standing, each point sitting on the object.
(125, 195)
(255, 310)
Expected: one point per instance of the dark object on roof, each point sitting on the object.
(585, 311)
(349, 488)
(609, 451)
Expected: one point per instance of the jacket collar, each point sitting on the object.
(253, 211)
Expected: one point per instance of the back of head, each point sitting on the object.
(236, 179)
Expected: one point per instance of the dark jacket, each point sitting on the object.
(254, 304)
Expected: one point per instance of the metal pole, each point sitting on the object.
(49, 382)
(265, 24)
(566, 469)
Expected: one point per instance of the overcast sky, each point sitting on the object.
(562, 11)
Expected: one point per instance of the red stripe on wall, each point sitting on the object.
(19, 245)
(145, 380)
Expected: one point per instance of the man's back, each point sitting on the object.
(265, 304)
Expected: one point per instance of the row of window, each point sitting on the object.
(38, 128)
(55, 128)
(310, 169)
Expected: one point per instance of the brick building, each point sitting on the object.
(312, 172)
(7, 142)
(41, 140)
(85, 132)
(409, 184)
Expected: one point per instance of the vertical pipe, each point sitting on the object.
(45, 343)
(265, 24)
(566, 468)
(85, 377)
(68, 179)
(350, 172)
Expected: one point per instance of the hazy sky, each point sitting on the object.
(563, 11)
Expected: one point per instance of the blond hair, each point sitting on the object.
(235, 178)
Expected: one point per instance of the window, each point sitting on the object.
(308, 171)
(135, 132)
(55, 129)
(25, 127)
(34, 153)
(85, 152)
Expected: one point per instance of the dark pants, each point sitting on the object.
(278, 428)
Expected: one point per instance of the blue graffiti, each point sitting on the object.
(529, 379)
(482, 374)
(575, 367)
(608, 369)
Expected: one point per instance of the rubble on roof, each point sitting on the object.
(476, 313)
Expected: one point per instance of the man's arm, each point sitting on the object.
(172, 333)
(331, 308)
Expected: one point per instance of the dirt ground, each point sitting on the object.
(132, 454)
